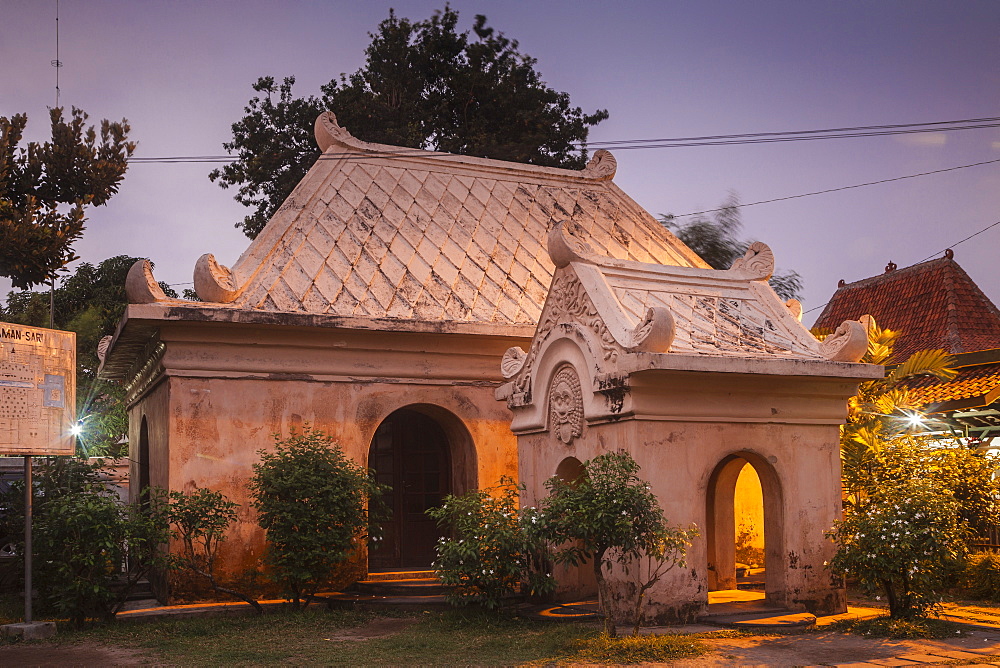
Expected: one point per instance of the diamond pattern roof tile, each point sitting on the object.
(373, 232)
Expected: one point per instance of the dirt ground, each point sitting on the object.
(780, 650)
(79, 654)
(834, 648)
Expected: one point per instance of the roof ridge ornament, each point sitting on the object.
(655, 333)
(848, 344)
(140, 285)
(758, 261)
(214, 282)
(328, 132)
(512, 361)
(794, 306)
(565, 247)
(601, 167)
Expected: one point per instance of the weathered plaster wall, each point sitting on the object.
(232, 389)
(679, 458)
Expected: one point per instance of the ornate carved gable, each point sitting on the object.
(609, 317)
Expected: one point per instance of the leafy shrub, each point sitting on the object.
(201, 519)
(52, 478)
(903, 543)
(980, 578)
(610, 515)
(746, 552)
(312, 501)
(489, 555)
(91, 550)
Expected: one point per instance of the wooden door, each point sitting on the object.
(410, 453)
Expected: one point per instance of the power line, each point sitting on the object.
(833, 190)
(803, 135)
(675, 142)
(806, 132)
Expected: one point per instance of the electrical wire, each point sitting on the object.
(675, 142)
(838, 189)
(805, 132)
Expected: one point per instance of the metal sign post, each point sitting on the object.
(28, 498)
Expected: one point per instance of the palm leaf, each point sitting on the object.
(937, 363)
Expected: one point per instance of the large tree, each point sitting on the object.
(423, 85)
(718, 243)
(45, 188)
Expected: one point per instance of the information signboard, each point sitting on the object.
(37, 390)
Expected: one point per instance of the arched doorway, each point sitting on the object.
(143, 457)
(575, 582)
(723, 522)
(411, 453)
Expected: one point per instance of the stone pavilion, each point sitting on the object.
(397, 294)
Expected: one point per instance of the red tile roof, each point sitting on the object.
(934, 304)
(971, 382)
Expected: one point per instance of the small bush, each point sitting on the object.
(313, 502)
(980, 579)
(611, 516)
(91, 550)
(200, 519)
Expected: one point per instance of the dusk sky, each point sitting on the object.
(181, 72)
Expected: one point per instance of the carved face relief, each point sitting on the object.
(565, 405)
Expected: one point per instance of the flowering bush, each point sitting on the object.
(490, 555)
(903, 543)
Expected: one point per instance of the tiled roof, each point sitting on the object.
(971, 382)
(378, 231)
(934, 304)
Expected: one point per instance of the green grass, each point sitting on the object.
(456, 637)
(898, 629)
(448, 638)
(633, 649)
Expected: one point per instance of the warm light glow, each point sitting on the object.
(915, 420)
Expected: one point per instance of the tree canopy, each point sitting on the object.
(718, 243)
(45, 188)
(424, 85)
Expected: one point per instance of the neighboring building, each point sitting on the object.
(394, 293)
(936, 305)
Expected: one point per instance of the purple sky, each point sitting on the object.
(181, 73)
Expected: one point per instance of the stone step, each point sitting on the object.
(398, 575)
(400, 587)
(758, 616)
